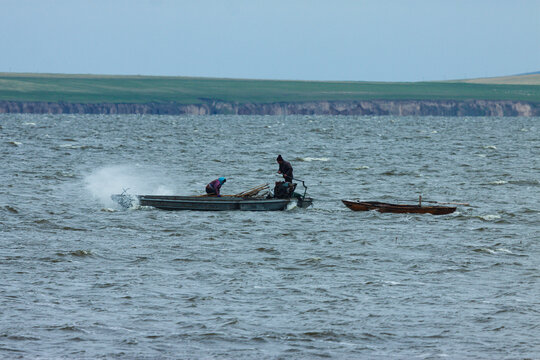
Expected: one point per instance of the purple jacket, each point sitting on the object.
(215, 185)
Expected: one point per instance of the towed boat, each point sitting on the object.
(397, 208)
(246, 201)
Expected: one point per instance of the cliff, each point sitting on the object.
(370, 107)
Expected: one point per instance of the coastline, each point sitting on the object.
(345, 107)
(364, 107)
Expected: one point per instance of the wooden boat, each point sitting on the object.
(395, 208)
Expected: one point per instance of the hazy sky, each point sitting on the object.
(386, 40)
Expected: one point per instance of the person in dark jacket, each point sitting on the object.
(285, 168)
(214, 187)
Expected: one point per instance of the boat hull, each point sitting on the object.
(209, 203)
(395, 208)
(212, 203)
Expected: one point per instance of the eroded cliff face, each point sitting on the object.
(372, 107)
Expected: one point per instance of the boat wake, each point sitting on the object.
(291, 205)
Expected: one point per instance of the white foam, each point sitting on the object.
(291, 205)
(109, 180)
(490, 217)
(70, 146)
(391, 283)
(310, 159)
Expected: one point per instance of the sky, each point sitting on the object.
(345, 40)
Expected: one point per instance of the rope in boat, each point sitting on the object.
(253, 191)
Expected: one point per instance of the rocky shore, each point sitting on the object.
(369, 107)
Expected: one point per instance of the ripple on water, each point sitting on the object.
(11, 209)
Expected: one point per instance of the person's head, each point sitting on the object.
(279, 159)
(222, 180)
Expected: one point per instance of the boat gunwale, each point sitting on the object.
(208, 200)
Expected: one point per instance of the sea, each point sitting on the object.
(83, 278)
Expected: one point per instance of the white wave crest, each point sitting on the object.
(486, 250)
(310, 159)
(490, 217)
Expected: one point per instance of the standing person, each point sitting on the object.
(285, 168)
(214, 187)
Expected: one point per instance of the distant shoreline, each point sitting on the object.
(346, 107)
(100, 94)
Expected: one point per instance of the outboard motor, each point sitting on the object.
(284, 190)
(124, 199)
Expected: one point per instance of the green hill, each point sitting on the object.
(185, 90)
(525, 79)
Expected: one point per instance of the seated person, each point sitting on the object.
(214, 187)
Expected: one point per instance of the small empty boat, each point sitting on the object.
(396, 208)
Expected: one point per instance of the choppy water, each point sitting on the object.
(84, 279)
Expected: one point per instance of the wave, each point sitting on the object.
(78, 253)
(526, 182)
(73, 229)
(11, 209)
(489, 217)
(493, 251)
(310, 159)
(79, 147)
(400, 173)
